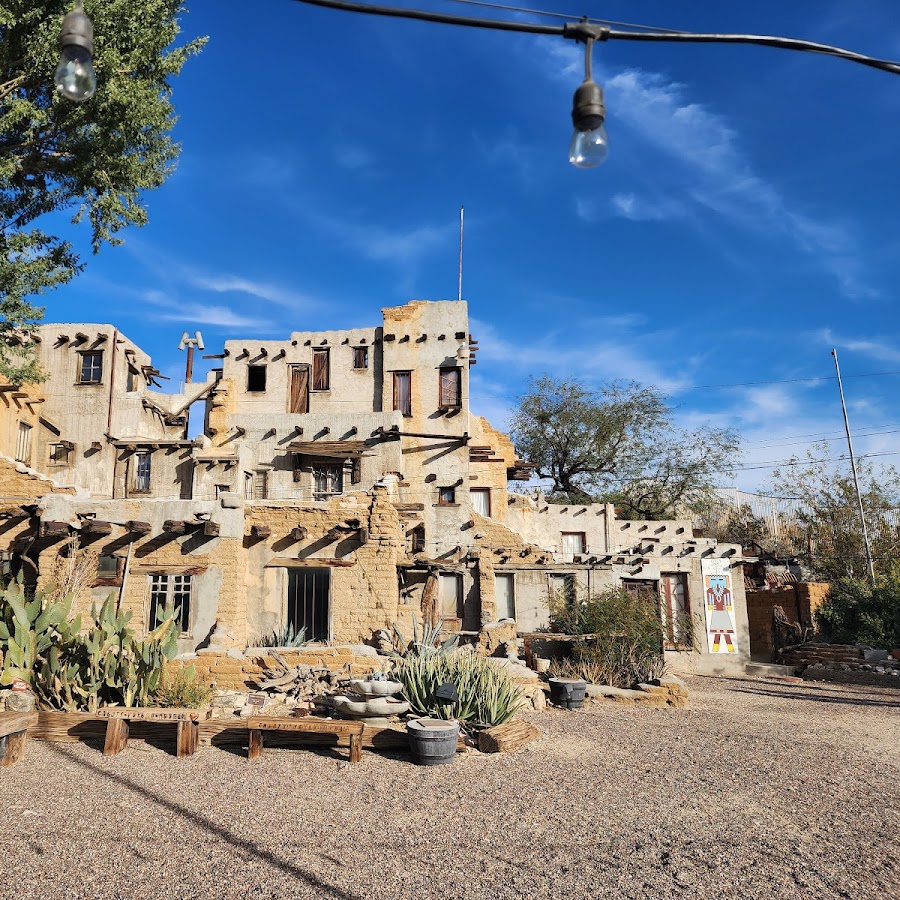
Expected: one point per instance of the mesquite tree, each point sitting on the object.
(96, 158)
(619, 444)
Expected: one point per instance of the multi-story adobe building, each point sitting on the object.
(341, 484)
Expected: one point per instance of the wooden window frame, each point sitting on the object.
(360, 353)
(24, 438)
(82, 369)
(137, 477)
(108, 579)
(321, 374)
(442, 501)
(667, 611)
(450, 397)
(583, 535)
(325, 469)
(512, 577)
(460, 598)
(302, 396)
(396, 404)
(485, 492)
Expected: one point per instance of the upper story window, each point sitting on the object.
(403, 392)
(573, 543)
(447, 496)
(450, 393)
(23, 443)
(256, 485)
(298, 399)
(141, 472)
(360, 357)
(59, 453)
(91, 368)
(481, 501)
(321, 368)
(328, 480)
(256, 378)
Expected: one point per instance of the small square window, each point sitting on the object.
(59, 453)
(360, 357)
(91, 369)
(108, 566)
(256, 378)
(446, 496)
(167, 592)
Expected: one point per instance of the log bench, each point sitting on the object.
(259, 724)
(188, 721)
(13, 728)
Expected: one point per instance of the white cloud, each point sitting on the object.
(877, 349)
(224, 284)
(171, 310)
(382, 244)
(644, 209)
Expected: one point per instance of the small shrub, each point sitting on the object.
(854, 612)
(626, 643)
(287, 637)
(486, 693)
(180, 688)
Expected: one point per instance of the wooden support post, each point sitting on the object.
(256, 744)
(116, 737)
(13, 731)
(188, 738)
(356, 747)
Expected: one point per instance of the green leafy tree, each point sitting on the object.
(96, 158)
(619, 445)
(829, 535)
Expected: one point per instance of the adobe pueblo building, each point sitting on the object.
(341, 484)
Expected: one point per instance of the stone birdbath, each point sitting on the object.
(371, 699)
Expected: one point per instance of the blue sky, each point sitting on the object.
(745, 222)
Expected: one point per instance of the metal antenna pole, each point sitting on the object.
(462, 213)
(862, 514)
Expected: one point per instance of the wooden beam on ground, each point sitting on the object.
(506, 738)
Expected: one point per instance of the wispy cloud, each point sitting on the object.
(382, 244)
(228, 284)
(190, 313)
(877, 349)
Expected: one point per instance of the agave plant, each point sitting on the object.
(486, 695)
(424, 645)
(289, 636)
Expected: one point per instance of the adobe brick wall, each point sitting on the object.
(799, 602)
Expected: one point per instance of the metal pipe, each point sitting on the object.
(862, 514)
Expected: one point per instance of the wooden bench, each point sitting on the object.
(259, 724)
(188, 721)
(13, 728)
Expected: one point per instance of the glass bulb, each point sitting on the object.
(74, 76)
(589, 148)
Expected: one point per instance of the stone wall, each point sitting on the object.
(799, 602)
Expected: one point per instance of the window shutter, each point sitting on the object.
(299, 402)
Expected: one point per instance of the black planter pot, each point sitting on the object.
(433, 741)
(567, 693)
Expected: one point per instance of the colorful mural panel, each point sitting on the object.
(720, 631)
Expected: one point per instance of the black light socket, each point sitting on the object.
(588, 108)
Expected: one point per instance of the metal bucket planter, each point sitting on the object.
(567, 693)
(433, 741)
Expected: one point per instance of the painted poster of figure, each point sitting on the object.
(719, 604)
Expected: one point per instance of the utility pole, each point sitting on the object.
(862, 513)
(190, 343)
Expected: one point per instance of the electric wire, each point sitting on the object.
(581, 30)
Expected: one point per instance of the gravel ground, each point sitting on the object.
(761, 789)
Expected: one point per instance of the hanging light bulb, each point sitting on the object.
(590, 143)
(74, 76)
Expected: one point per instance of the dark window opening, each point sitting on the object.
(59, 453)
(307, 602)
(321, 380)
(141, 472)
(360, 357)
(450, 388)
(256, 378)
(107, 566)
(417, 539)
(91, 371)
(166, 592)
(403, 392)
(446, 496)
(328, 480)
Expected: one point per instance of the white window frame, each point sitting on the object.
(169, 588)
(141, 480)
